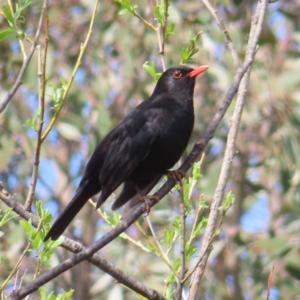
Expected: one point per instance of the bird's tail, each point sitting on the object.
(84, 192)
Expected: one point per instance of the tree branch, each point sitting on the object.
(75, 247)
(180, 277)
(256, 27)
(42, 90)
(223, 28)
(26, 61)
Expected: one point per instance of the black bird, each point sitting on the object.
(141, 149)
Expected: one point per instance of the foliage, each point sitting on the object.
(121, 60)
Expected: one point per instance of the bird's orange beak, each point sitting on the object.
(196, 71)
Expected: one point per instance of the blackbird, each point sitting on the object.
(141, 149)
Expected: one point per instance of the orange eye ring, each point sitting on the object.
(177, 74)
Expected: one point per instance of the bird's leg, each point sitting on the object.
(147, 199)
(177, 175)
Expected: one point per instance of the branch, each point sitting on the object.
(161, 35)
(42, 90)
(223, 28)
(75, 247)
(230, 151)
(78, 63)
(19, 80)
(179, 293)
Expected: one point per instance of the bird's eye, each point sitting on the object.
(177, 74)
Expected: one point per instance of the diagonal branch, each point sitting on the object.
(96, 259)
(228, 40)
(26, 61)
(42, 91)
(256, 27)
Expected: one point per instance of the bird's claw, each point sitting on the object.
(177, 175)
(147, 200)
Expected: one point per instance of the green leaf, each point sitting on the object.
(48, 218)
(156, 13)
(169, 235)
(160, 12)
(229, 200)
(150, 68)
(177, 264)
(128, 7)
(196, 171)
(177, 225)
(56, 243)
(27, 226)
(189, 251)
(170, 292)
(6, 217)
(31, 123)
(157, 76)
(39, 206)
(190, 50)
(171, 278)
(201, 225)
(115, 219)
(170, 29)
(123, 11)
(6, 32)
(149, 246)
(63, 82)
(37, 241)
(8, 14)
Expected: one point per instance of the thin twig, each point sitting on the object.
(182, 251)
(42, 89)
(26, 62)
(228, 40)
(161, 34)
(159, 248)
(75, 247)
(123, 236)
(77, 65)
(256, 28)
(17, 266)
(144, 21)
(21, 44)
(207, 249)
(270, 281)
(196, 220)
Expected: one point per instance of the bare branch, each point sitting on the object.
(75, 247)
(77, 65)
(42, 90)
(183, 235)
(256, 28)
(26, 62)
(223, 28)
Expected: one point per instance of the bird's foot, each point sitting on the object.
(147, 200)
(177, 175)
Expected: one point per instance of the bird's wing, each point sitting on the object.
(134, 140)
(133, 144)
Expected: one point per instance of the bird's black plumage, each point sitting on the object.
(143, 147)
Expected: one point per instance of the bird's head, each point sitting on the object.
(179, 80)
